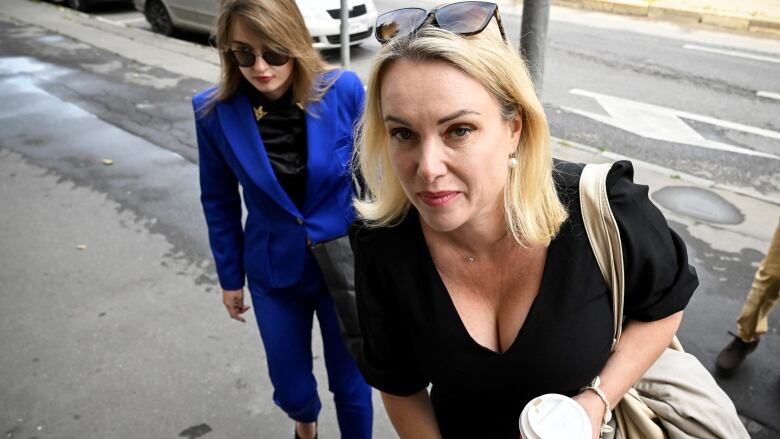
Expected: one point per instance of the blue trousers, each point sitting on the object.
(285, 318)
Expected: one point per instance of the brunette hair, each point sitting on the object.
(281, 27)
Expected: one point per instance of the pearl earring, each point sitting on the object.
(512, 161)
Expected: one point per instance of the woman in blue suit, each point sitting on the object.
(280, 125)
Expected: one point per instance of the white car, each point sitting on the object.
(87, 5)
(321, 16)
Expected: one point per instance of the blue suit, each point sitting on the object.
(270, 250)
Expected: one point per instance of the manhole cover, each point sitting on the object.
(698, 203)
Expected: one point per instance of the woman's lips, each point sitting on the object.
(264, 78)
(438, 199)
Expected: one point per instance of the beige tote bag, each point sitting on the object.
(677, 397)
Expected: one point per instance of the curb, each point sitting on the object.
(765, 25)
(615, 7)
(686, 15)
(176, 56)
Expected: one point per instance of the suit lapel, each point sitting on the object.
(240, 129)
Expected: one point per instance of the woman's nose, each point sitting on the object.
(260, 65)
(431, 164)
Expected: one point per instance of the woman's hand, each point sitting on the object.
(594, 407)
(234, 302)
(639, 346)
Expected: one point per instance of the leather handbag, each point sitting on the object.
(677, 397)
(337, 263)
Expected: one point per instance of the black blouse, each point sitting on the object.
(413, 335)
(283, 130)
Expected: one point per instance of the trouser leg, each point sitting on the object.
(285, 322)
(753, 320)
(350, 392)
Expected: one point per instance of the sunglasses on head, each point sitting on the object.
(245, 58)
(462, 18)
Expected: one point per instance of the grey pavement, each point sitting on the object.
(111, 323)
(112, 326)
(105, 330)
(762, 16)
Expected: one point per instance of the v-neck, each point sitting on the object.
(453, 310)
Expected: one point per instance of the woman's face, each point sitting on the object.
(271, 81)
(449, 145)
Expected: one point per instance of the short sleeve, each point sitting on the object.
(385, 357)
(659, 281)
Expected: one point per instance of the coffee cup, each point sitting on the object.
(554, 416)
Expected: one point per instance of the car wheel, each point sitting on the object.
(79, 5)
(158, 17)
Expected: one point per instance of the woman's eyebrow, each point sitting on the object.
(456, 115)
(445, 119)
(397, 120)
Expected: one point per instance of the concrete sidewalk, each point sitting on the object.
(760, 16)
(747, 15)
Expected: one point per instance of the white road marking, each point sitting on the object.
(131, 20)
(732, 53)
(106, 20)
(768, 94)
(666, 124)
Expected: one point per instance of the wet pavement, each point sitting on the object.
(700, 204)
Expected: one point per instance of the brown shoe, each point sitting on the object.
(733, 355)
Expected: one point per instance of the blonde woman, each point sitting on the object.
(279, 125)
(474, 274)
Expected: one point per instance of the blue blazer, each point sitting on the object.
(269, 249)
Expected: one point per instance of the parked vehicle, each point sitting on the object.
(87, 5)
(322, 18)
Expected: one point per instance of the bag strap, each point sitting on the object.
(604, 237)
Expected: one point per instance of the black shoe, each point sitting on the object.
(733, 355)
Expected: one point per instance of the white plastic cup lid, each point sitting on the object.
(554, 416)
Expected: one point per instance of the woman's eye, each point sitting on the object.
(401, 133)
(460, 132)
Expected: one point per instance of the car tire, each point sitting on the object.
(80, 5)
(159, 18)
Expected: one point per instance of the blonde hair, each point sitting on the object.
(533, 211)
(280, 26)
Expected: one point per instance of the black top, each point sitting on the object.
(283, 130)
(413, 334)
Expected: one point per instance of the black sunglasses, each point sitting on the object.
(462, 18)
(245, 58)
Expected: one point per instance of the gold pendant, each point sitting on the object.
(260, 113)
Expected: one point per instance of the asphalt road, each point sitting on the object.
(94, 103)
(699, 101)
